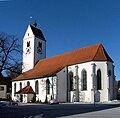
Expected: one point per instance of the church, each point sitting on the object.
(82, 75)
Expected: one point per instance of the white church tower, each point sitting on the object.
(34, 47)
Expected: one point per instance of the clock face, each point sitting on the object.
(39, 50)
(28, 50)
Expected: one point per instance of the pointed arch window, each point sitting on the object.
(71, 80)
(84, 80)
(20, 85)
(14, 87)
(47, 86)
(99, 80)
(36, 87)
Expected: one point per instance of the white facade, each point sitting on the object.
(31, 51)
(42, 92)
(107, 81)
(60, 84)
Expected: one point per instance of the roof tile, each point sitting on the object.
(50, 66)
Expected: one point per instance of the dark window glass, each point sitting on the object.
(1, 88)
(84, 80)
(47, 86)
(40, 45)
(20, 85)
(99, 80)
(36, 87)
(28, 44)
(14, 87)
(71, 81)
(28, 83)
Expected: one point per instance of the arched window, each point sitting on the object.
(99, 80)
(47, 86)
(71, 80)
(36, 87)
(20, 85)
(14, 87)
(28, 83)
(84, 80)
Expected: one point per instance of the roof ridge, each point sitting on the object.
(97, 50)
(68, 52)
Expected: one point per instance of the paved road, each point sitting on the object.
(62, 111)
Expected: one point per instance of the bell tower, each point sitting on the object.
(34, 47)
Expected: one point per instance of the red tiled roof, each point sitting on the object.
(37, 32)
(50, 66)
(26, 90)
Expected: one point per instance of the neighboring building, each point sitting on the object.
(5, 88)
(118, 89)
(82, 75)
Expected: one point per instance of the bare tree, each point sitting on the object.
(10, 54)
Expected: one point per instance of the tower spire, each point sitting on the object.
(35, 24)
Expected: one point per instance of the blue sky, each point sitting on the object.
(66, 24)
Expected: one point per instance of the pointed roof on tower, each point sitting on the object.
(37, 32)
(50, 66)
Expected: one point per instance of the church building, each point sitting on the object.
(82, 75)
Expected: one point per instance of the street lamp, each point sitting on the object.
(94, 94)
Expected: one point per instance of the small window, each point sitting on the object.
(28, 83)
(28, 43)
(1, 88)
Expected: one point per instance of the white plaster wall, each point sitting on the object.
(29, 97)
(62, 85)
(42, 89)
(86, 94)
(39, 56)
(24, 84)
(3, 92)
(28, 59)
(41, 96)
(59, 88)
(107, 82)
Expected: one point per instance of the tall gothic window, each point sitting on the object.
(20, 85)
(84, 80)
(14, 87)
(99, 80)
(71, 80)
(36, 87)
(28, 83)
(47, 86)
